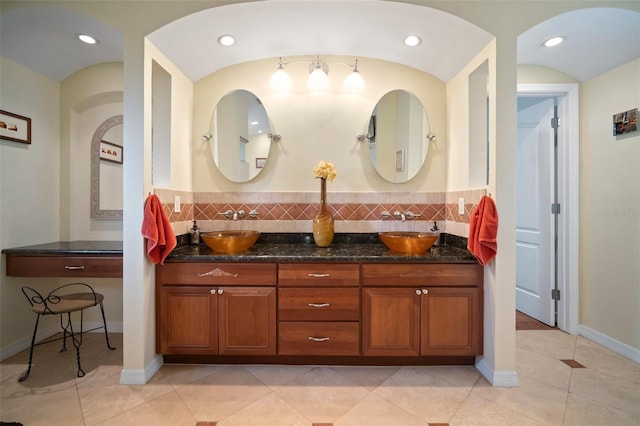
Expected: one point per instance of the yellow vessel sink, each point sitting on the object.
(230, 241)
(408, 242)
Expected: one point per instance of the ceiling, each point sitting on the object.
(43, 38)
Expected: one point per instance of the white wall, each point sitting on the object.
(318, 127)
(29, 188)
(610, 208)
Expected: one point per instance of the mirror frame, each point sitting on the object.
(95, 211)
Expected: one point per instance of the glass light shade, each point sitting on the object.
(280, 81)
(318, 79)
(354, 83)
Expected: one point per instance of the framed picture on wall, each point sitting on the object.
(260, 162)
(14, 127)
(110, 152)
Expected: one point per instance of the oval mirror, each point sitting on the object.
(240, 136)
(106, 170)
(398, 136)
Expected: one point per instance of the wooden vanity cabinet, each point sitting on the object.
(319, 309)
(216, 309)
(421, 310)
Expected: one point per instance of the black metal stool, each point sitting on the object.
(58, 302)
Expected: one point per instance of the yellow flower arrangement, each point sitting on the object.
(325, 170)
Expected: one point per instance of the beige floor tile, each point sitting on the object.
(273, 375)
(552, 343)
(593, 355)
(463, 377)
(607, 389)
(422, 394)
(222, 393)
(541, 368)
(180, 375)
(376, 411)
(165, 410)
(532, 399)
(477, 411)
(31, 404)
(267, 411)
(103, 397)
(367, 377)
(321, 395)
(584, 412)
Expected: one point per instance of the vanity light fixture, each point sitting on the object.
(207, 136)
(412, 40)
(280, 80)
(275, 137)
(226, 40)
(86, 38)
(318, 77)
(553, 41)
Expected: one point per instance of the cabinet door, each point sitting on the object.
(188, 320)
(390, 322)
(247, 320)
(451, 323)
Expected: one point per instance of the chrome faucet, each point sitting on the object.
(399, 216)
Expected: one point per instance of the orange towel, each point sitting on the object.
(483, 230)
(157, 230)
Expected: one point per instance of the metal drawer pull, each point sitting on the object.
(318, 339)
(319, 275)
(319, 305)
(74, 268)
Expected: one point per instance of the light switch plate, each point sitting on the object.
(460, 205)
(176, 204)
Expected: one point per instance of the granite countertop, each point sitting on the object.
(69, 248)
(345, 248)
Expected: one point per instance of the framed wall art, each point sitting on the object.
(110, 152)
(14, 127)
(260, 162)
(625, 122)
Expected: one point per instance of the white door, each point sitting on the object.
(535, 253)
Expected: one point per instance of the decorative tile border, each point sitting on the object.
(293, 211)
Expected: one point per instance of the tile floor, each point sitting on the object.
(605, 392)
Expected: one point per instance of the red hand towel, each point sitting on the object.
(157, 230)
(483, 230)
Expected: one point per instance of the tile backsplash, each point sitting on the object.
(293, 211)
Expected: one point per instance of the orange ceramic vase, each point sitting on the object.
(323, 221)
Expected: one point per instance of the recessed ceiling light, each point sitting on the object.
(553, 41)
(412, 40)
(86, 38)
(226, 40)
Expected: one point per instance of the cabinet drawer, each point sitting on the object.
(408, 274)
(217, 273)
(319, 338)
(319, 304)
(65, 266)
(313, 274)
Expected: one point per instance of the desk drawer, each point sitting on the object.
(319, 338)
(322, 274)
(319, 304)
(64, 266)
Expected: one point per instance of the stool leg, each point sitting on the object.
(64, 333)
(25, 376)
(77, 341)
(106, 333)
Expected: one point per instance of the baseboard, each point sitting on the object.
(497, 378)
(610, 343)
(141, 376)
(45, 332)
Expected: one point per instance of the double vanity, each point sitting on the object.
(287, 301)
